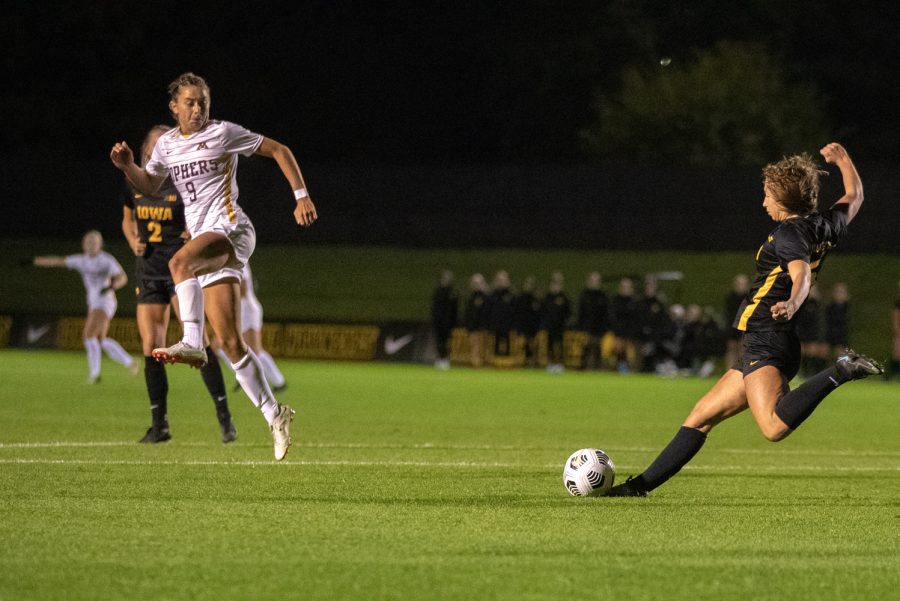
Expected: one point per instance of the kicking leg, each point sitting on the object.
(726, 398)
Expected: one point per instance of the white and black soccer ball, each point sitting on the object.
(589, 473)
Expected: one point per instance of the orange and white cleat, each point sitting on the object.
(181, 353)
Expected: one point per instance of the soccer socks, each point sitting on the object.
(92, 346)
(190, 301)
(675, 456)
(115, 352)
(249, 373)
(215, 383)
(157, 390)
(273, 374)
(794, 407)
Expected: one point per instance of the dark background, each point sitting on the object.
(432, 123)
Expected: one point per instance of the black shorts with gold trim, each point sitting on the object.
(778, 348)
(155, 292)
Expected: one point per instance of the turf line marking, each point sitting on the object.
(438, 447)
(448, 464)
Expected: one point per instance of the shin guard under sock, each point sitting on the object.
(675, 456)
(190, 301)
(249, 373)
(215, 382)
(157, 390)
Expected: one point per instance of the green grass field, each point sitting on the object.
(408, 483)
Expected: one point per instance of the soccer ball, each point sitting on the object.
(589, 473)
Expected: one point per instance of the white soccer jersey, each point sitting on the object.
(96, 273)
(203, 166)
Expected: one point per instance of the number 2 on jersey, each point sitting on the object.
(155, 230)
(190, 188)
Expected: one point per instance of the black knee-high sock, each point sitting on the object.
(794, 407)
(675, 456)
(157, 389)
(215, 383)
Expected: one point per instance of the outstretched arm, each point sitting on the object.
(49, 261)
(123, 158)
(837, 155)
(305, 212)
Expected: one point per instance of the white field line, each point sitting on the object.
(775, 450)
(434, 464)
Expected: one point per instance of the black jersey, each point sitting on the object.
(799, 238)
(160, 224)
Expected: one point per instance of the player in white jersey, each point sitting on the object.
(200, 156)
(102, 276)
(251, 330)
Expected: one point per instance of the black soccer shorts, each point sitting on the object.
(155, 292)
(780, 349)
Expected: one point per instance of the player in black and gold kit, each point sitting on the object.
(786, 264)
(155, 229)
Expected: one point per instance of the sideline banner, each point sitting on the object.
(401, 341)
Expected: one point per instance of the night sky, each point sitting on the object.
(423, 82)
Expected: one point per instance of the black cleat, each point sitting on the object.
(156, 434)
(629, 488)
(229, 432)
(853, 366)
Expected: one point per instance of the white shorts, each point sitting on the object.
(251, 314)
(242, 236)
(105, 302)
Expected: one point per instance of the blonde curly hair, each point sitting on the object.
(794, 182)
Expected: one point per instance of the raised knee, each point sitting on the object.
(180, 267)
(776, 434)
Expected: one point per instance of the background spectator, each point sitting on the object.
(477, 318)
(555, 315)
(811, 331)
(652, 324)
(444, 315)
(625, 324)
(527, 317)
(501, 314)
(837, 319)
(740, 286)
(593, 320)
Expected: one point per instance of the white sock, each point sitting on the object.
(273, 374)
(115, 352)
(221, 354)
(92, 346)
(249, 373)
(190, 301)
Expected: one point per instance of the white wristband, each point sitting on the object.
(300, 193)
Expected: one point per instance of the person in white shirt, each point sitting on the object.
(251, 330)
(200, 156)
(102, 276)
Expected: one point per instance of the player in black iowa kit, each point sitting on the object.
(155, 229)
(785, 266)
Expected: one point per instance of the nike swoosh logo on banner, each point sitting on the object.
(33, 334)
(391, 345)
